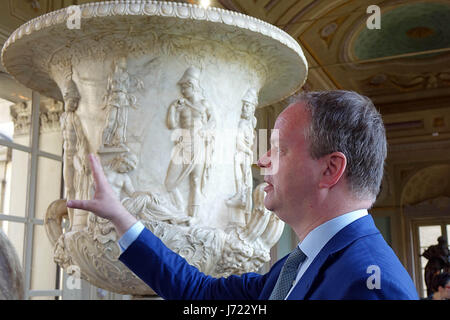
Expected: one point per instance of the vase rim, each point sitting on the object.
(19, 65)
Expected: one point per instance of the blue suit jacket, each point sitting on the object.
(342, 270)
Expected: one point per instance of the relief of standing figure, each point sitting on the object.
(193, 121)
(119, 98)
(243, 157)
(76, 169)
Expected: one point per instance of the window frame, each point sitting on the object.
(423, 222)
(29, 220)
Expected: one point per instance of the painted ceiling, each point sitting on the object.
(410, 28)
(403, 65)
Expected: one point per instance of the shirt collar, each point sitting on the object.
(318, 237)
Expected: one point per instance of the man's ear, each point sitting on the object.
(334, 165)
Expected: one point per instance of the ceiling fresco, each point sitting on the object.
(407, 59)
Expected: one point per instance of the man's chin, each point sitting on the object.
(268, 203)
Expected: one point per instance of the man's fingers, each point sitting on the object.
(97, 172)
(80, 204)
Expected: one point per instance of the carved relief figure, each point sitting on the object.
(191, 157)
(119, 99)
(76, 170)
(243, 156)
(117, 173)
(145, 205)
(149, 206)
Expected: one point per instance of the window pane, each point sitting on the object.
(43, 268)
(15, 121)
(14, 179)
(48, 186)
(448, 234)
(50, 138)
(5, 178)
(428, 236)
(15, 231)
(48, 189)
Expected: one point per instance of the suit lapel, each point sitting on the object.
(272, 278)
(355, 230)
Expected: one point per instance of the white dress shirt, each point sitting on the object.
(132, 234)
(319, 237)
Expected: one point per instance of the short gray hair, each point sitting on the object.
(348, 122)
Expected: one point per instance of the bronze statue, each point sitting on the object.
(438, 261)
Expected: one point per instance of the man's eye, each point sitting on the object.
(276, 149)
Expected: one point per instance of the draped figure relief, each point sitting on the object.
(193, 121)
(118, 99)
(243, 159)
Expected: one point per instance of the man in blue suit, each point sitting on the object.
(323, 171)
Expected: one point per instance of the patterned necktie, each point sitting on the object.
(287, 275)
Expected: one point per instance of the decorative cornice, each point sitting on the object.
(21, 117)
(48, 116)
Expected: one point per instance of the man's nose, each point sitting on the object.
(264, 161)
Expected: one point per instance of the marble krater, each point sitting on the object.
(164, 94)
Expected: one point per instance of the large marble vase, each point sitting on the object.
(164, 94)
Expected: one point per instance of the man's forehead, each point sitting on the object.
(293, 112)
(275, 137)
(293, 118)
(281, 121)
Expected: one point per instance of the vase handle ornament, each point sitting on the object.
(56, 212)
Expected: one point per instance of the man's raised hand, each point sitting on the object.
(106, 203)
